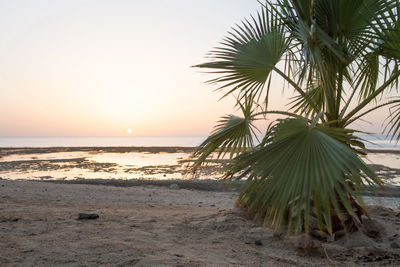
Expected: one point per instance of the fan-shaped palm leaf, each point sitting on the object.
(301, 106)
(232, 135)
(393, 124)
(249, 54)
(302, 171)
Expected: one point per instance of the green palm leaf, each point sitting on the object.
(301, 105)
(302, 171)
(368, 75)
(248, 55)
(388, 31)
(393, 125)
(232, 135)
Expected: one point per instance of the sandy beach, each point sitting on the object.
(161, 226)
(161, 222)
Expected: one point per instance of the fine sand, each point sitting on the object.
(161, 226)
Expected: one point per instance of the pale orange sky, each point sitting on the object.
(98, 68)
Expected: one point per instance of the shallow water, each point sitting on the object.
(98, 164)
(139, 159)
(103, 163)
(390, 160)
(386, 165)
(43, 156)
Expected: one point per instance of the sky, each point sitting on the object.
(101, 67)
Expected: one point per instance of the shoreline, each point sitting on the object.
(189, 184)
(46, 167)
(389, 191)
(376, 150)
(4, 151)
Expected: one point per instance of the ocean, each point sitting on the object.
(376, 141)
(109, 141)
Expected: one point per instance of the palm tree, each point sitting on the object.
(341, 60)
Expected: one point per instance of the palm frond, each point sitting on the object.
(247, 56)
(300, 105)
(393, 124)
(301, 172)
(388, 31)
(368, 75)
(345, 136)
(232, 135)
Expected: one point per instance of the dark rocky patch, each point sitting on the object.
(88, 216)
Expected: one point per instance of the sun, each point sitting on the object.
(129, 131)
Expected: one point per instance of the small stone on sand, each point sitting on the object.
(88, 216)
(174, 186)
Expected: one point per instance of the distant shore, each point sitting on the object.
(125, 149)
(4, 151)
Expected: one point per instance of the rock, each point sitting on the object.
(174, 186)
(88, 216)
(395, 244)
(258, 243)
(367, 259)
(9, 220)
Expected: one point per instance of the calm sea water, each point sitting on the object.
(372, 141)
(166, 141)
